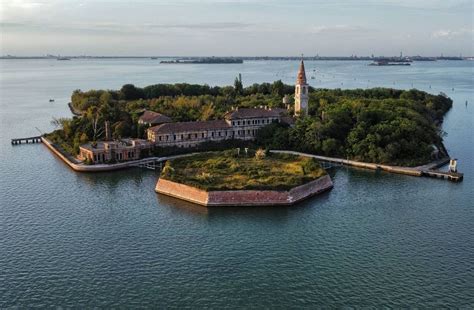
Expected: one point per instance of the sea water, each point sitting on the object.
(108, 240)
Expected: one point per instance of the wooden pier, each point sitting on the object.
(151, 164)
(446, 175)
(36, 139)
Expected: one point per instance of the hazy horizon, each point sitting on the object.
(236, 28)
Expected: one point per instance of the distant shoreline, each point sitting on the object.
(256, 58)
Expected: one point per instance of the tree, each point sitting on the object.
(130, 92)
(238, 85)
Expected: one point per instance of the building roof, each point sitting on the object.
(151, 117)
(280, 111)
(179, 127)
(288, 120)
(251, 113)
(118, 144)
(301, 78)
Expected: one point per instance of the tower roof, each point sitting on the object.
(301, 79)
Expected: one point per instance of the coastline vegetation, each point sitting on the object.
(234, 170)
(380, 125)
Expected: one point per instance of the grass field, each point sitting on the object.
(229, 171)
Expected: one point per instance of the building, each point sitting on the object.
(241, 124)
(151, 118)
(301, 92)
(110, 151)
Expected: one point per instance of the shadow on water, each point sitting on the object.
(115, 179)
(278, 213)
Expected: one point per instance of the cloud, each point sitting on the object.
(121, 28)
(335, 29)
(449, 34)
(25, 4)
(209, 26)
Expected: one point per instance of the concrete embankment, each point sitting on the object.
(358, 164)
(425, 170)
(80, 167)
(244, 197)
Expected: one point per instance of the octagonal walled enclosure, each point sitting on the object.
(244, 197)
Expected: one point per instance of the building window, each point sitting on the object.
(159, 138)
(212, 134)
(195, 136)
(219, 133)
(182, 137)
(174, 137)
(238, 122)
(203, 134)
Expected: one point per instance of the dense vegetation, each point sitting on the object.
(233, 170)
(375, 125)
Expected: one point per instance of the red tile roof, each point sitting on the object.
(190, 126)
(154, 118)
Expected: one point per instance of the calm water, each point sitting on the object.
(108, 240)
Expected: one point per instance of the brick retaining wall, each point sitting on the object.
(243, 197)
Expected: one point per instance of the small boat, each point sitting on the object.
(63, 58)
(154, 57)
(51, 100)
(312, 77)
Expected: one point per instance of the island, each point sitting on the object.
(243, 177)
(205, 60)
(398, 131)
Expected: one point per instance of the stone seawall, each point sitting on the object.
(80, 167)
(243, 197)
(413, 171)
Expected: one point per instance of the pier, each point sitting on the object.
(151, 164)
(446, 175)
(36, 139)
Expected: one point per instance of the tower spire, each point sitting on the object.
(301, 79)
(301, 91)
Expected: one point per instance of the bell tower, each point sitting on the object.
(301, 92)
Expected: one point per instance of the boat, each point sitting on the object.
(63, 58)
(51, 100)
(389, 63)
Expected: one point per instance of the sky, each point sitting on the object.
(236, 28)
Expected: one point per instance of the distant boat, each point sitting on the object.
(51, 100)
(312, 77)
(154, 57)
(63, 58)
(389, 63)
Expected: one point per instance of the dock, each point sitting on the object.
(36, 139)
(446, 175)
